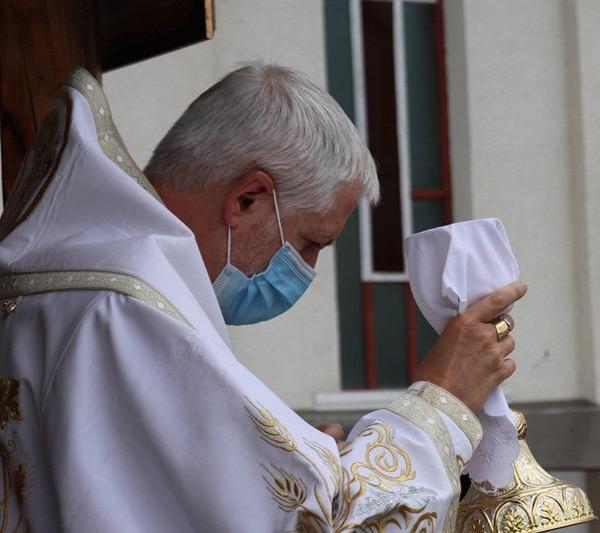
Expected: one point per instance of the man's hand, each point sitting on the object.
(333, 430)
(467, 359)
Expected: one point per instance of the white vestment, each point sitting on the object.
(122, 407)
(450, 268)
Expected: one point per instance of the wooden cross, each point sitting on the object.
(42, 41)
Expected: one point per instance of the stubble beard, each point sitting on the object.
(252, 254)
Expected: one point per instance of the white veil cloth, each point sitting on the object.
(450, 268)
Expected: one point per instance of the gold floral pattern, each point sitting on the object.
(287, 490)
(476, 526)
(15, 477)
(9, 403)
(270, 429)
(514, 522)
(379, 478)
(550, 513)
(534, 502)
(576, 507)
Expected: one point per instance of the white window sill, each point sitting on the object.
(355, 400)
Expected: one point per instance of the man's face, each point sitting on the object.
(307, 232)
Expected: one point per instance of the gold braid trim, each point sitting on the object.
(21, 284)
(452, 407)
(417, 411)
(108, 136)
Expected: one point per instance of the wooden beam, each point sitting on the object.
(41, 42)
(134, 30)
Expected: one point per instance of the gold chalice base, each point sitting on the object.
(534, 502)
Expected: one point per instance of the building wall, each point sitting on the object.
(296, 354)
(524, 148)
(584, 62)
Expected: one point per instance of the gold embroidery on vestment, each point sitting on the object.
(269, 428)
(425, 417)
(9, 401)
(14, 473)
(384, 470)
(9, 306)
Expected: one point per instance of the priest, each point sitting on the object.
(123, 408)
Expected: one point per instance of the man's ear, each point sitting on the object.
(248, 196)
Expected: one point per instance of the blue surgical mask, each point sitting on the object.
(262, 296)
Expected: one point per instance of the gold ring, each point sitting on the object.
(509, 321)
(503, 328)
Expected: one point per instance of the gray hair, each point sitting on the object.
(270, 118)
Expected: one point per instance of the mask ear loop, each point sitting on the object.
(228, 244)
(278, 218)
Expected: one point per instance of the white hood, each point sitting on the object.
(91, 208)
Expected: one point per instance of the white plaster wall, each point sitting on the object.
(511, 115)
(298, 353)
(583, 18)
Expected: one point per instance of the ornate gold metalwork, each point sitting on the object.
(9, 306)
(534, 502)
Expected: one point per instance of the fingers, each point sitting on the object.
(508, 368)
(502, 365)
(489, 307)
(506, 346)
(496, 351)
(333, 430)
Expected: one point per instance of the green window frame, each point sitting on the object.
(385, 63)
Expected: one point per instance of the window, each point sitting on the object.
(386, 69)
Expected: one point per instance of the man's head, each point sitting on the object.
(262, 128)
